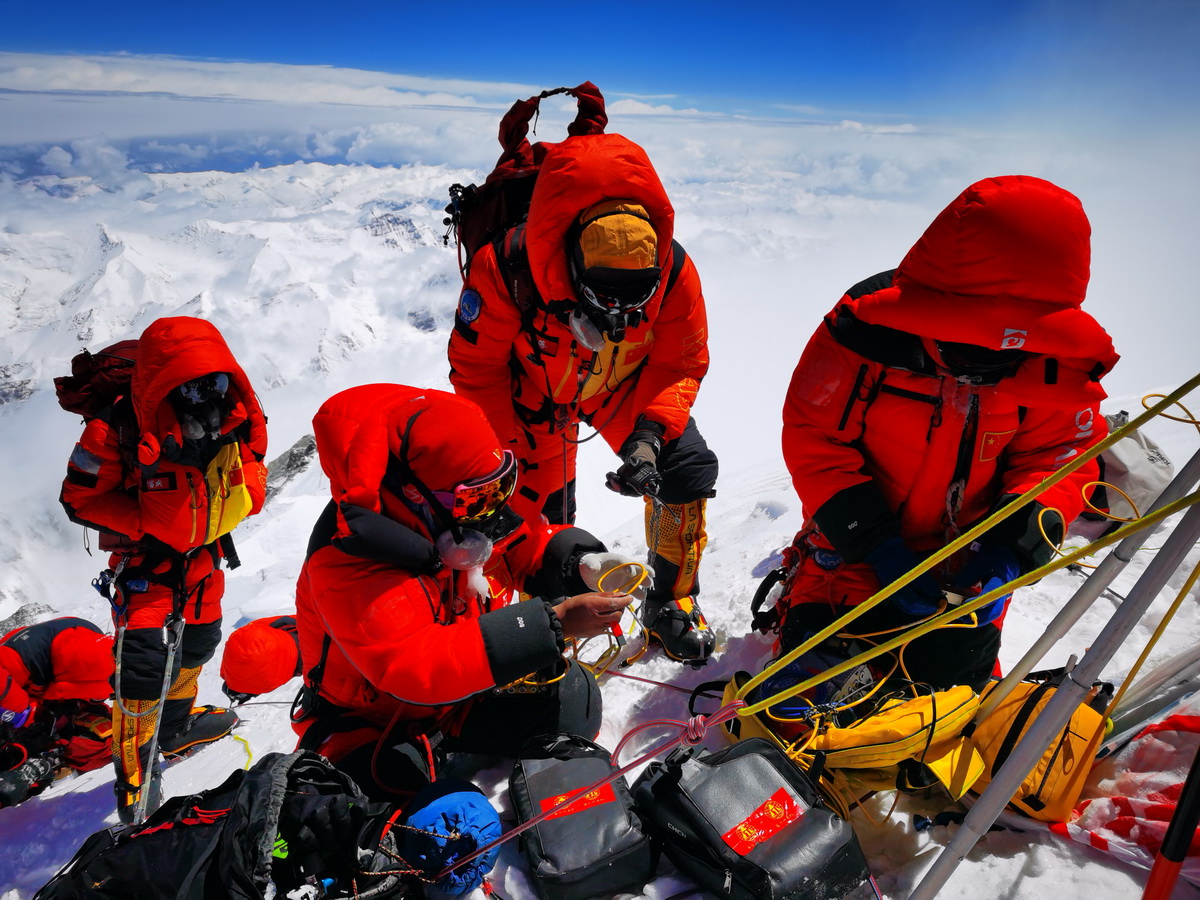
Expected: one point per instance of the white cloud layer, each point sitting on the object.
(778, 211)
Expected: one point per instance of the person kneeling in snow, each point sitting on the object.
(259, 657)
(931, 396)
(412, 644)
(54, 679)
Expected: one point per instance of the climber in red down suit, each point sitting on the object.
(931, 396)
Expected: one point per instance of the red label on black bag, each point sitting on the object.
(603, 794)
(776, 813)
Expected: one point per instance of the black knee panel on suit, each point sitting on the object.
(688, 467)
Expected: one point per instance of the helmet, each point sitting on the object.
(259, 657)
(614, 266)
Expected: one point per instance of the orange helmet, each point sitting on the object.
(259, 657)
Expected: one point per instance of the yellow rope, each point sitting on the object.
(1189, 420)
(612, 652)
(1158, 633)
(953, 547)
(245, 746)
(943, 618)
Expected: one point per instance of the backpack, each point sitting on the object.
(1050, 791)
(97, 380)
(290, 821)
(594, 847)
(483, 214)
(745, 823)
(906, 740)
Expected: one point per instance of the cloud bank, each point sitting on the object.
(801, 204)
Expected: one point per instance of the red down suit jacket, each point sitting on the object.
(400, 646)
(870, 400)
(521, 372)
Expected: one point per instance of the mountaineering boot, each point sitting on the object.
(27, 779)
(203, 726)
(670, 614)
(128, 795)
(186, 727)
(680, 627)
(134, 722)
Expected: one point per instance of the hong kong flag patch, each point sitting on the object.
(777, 812)
(601, 795)
(161, 481)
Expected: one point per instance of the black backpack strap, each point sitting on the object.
(513, 262)
(678, 258)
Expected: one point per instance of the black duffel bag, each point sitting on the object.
(594, 847)
(747, 824)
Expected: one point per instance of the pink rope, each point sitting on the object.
(691, 733)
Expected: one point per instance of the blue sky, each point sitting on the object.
(955, 58)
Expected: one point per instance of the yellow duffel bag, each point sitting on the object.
(926, 728)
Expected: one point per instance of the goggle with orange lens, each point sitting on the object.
(482, 497)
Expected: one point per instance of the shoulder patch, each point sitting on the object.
(469, 305)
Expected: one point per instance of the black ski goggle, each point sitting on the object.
(609, 298)
(969, 359)
(207, 387)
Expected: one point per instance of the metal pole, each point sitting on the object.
(1093, 587)
(173, 634)
(1063, 703)
(1169, 680)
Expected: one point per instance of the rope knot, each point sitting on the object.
(695, 730)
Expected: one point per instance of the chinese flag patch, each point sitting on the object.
(603, 794)
(776, 813)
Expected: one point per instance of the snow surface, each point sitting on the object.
(326, 276)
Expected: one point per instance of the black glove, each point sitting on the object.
(1022, 534)
(638, 475)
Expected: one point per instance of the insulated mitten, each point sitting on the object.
(1021, 533)
(447, 821)
(893, 558)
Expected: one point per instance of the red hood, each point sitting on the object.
(576, 174)
(356, 463)
(1006, 265)
(174, 350)
(359, 429)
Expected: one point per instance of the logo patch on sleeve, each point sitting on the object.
(469, 305)
(161, 481)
